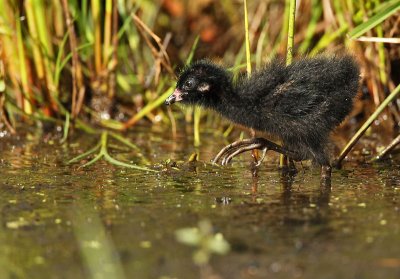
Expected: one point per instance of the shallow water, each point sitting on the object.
(60, 221)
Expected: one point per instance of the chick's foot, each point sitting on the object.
(228, 152)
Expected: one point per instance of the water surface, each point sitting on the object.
(61, 221)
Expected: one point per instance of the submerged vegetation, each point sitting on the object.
(96, 65)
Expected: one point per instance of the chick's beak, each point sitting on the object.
(174, 97)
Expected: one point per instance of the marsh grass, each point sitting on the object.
(96, 65)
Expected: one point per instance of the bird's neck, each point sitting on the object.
(244, 110)
(231, 105)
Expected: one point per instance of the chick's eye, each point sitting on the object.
(189, 84)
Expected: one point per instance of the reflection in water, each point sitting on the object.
(254, 177)
(97, 250)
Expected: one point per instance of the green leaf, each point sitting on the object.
(189, 236)
(218, 244)
(150, 106)
(2, 85)
(192, 51)
(374, 21)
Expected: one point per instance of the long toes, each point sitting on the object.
(223, 160)
(214, 161)
(228, 152)
(230, 156)
(225, 152)
(222, 153)
(236, 151)
(226, 158)
(233, 146)
(217, 157)
(220, 156)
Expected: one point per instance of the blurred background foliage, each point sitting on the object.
(111, 64)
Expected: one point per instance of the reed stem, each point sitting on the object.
(289, 54)
(366, 125)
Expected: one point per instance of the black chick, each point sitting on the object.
(300, 103)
